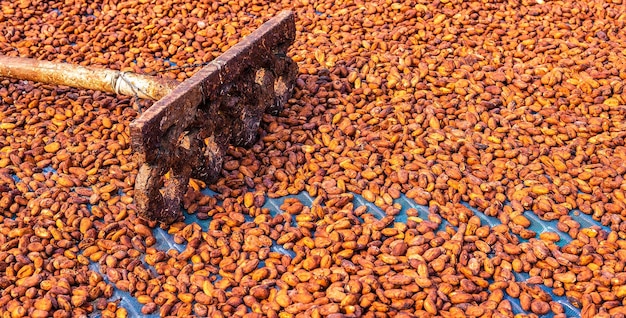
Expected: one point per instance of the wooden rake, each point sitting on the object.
(188, 129)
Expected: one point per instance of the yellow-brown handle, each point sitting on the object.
(111, 81)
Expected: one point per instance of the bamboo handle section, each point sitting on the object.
(111, 81)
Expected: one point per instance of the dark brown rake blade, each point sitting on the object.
(186, 133)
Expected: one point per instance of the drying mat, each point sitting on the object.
(166, 242)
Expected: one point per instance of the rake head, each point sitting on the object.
(186, 133)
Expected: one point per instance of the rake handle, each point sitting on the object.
(106, 80)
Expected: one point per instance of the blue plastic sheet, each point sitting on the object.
(165, 241)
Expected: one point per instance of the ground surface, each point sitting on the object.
(510, 106)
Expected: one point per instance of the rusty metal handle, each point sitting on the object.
(112, 81)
